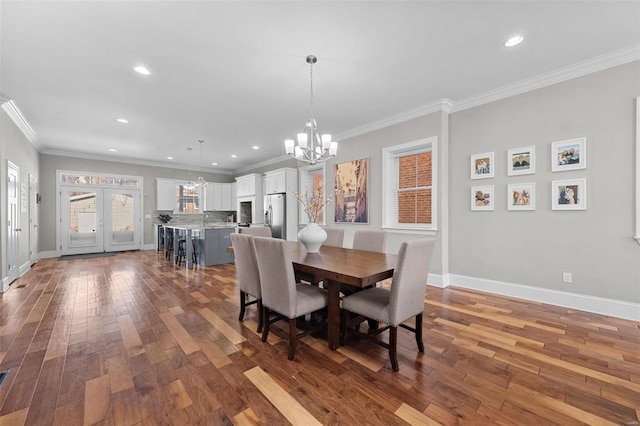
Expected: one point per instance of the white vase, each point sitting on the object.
(312, 237)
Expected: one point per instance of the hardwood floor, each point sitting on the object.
(133, 340)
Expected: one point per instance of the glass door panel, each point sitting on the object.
(122, 219)
(81, 220)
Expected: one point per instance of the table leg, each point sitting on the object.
(333, 314)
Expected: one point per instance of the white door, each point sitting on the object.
(33, 219)
(13, 219)
(95, 220)
(122, 222)
(81, 220)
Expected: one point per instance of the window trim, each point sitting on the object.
(389, 178)
(306, 184)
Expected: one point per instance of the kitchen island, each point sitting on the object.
(211, 242)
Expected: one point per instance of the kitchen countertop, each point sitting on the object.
(222, 225)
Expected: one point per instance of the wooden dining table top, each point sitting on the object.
(358, 268)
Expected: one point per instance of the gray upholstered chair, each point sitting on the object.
(248, 274)
(404, 300)
(257, 231)
(335, 237)
(281, 294)
(369, 240)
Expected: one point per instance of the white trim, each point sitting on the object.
(593, 304)
(637, 237)
(437, 106)
(389, 180)
(49, 254)
(18, 118)
(279, 159)
(148, 247)
(408, 230)
(5, 284)
(104, 157)
(24, 268)
(570, 72)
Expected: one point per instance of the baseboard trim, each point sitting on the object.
(148, 247)
(598, 305)
(48, 254)
(24, 268)
(5, 284)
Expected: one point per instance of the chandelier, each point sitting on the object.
(311, 147)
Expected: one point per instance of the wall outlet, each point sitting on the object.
(566, 277)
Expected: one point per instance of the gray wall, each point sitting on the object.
(16, 148)
(534, 247)
(49, 164)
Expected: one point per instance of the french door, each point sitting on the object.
(94, 220)
(13, 221)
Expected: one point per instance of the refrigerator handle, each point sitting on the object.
(269, 215)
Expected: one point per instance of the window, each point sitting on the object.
(409, 186)
(311, 180)
(187, 198)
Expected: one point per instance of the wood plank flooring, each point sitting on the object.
(133, 340)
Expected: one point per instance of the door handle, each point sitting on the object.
(18, 229)
(36, 226)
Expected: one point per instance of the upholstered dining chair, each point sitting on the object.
(394, 306)
(257, 231)
(248, 275)
(281, 294)
(335, 237)
(369, 240)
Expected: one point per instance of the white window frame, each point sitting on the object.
(390, 185)
(200, 192)
(306, 184)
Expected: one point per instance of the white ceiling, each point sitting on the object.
(233, 73)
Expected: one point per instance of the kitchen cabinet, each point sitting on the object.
(220, 196)
(278, 181)
(212, 249)
(166, 194)
(249, 185)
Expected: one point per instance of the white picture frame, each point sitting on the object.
(482, 166)
(521, 161)
(569, 155)
(483, 198)
(521, 196)
(570, 194)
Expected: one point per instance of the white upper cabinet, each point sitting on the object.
(247, 185)
(166, 194)
(220, 196)
(279, 181)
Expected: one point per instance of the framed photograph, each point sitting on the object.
(569, 155)
(569, 194)
(482, 198)
(521, 161)
(350, 200)
(482, 166)
(521, 196)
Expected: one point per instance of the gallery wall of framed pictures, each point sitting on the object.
(566, 194)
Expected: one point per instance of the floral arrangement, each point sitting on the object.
(313, 202)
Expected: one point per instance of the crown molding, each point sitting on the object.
(263, 164)
(15, 114)
(437, 106)
(599, 63)
(87, 156)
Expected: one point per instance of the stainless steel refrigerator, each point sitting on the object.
(275, 215)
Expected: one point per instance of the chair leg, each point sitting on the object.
(265, 330)
(292, 337)
(419, 332)
(260, 316)
(393, 343)
(243, 305)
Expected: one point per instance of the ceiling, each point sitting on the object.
(233, 73)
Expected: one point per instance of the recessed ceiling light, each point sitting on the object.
(169, 158)
(142, 70)
(214, 164)
(234, 156)
(113, 150)
(122, 120)
(255, 147)
(515, 40)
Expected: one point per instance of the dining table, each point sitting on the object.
(338, 265)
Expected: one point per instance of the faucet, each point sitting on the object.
(205, 218)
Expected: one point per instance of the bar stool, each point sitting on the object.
(169, 247)
(182, 251)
